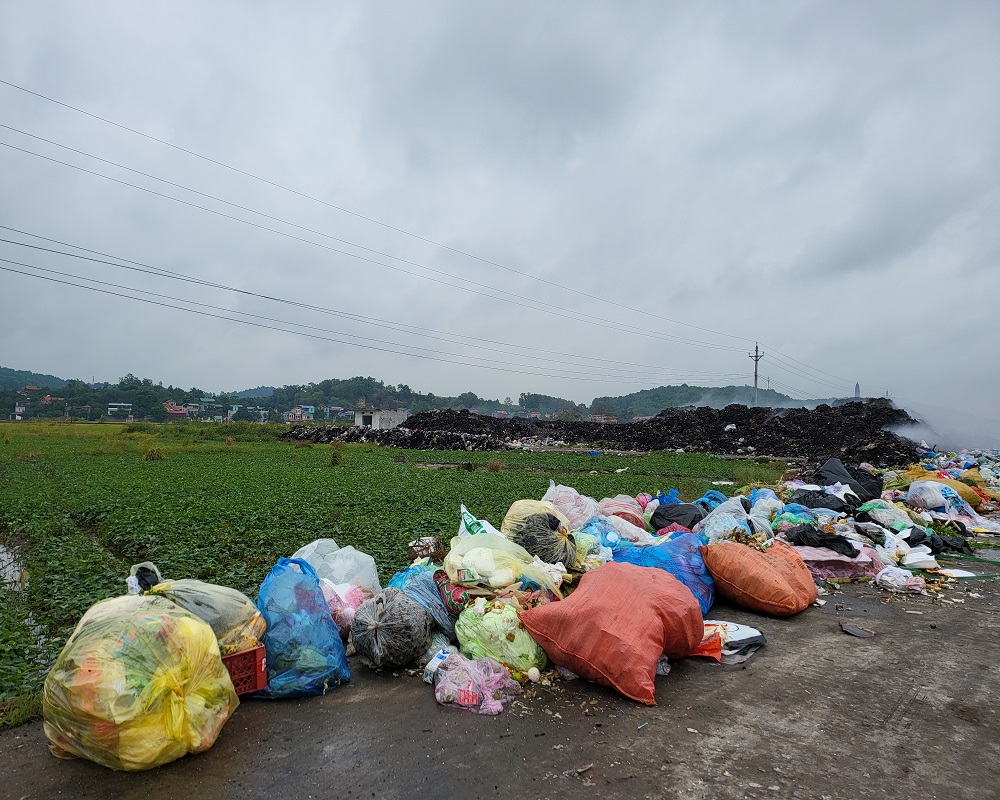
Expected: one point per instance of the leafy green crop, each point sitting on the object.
(79, 504)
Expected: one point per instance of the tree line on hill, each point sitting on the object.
(54, 397)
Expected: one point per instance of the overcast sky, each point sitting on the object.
(639, 191)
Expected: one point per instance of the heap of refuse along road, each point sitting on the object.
(566, 587)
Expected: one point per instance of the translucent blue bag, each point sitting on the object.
(669, 499)
(601, 529)
(305, 656)
(681, 558)
(417, 582)
(711, 500)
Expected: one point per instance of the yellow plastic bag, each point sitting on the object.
(237, 623)
(139, 683)
(541, 529)
(494, 561)
(963, 489)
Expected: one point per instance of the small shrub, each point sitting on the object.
(154, 454)
(18, 710)
(495, 465)
(336, 454)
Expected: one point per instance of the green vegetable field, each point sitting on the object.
(80, 503)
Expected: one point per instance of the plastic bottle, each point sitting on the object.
(434, 663)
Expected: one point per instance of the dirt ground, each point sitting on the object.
(910, 713)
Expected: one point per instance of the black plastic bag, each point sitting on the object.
(685, 514)
(810, 498)
(834, 471)
(391, 629)
(808, 536)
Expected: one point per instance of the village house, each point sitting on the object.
(379, 418)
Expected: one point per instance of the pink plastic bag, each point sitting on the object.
(625, 507)
(481, 685)
(576, 507)
(342, 607)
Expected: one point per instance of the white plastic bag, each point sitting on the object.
(730, 516)
(346, 565)
(577, 508)
(926, 495)
(470, 526)
(899, 580)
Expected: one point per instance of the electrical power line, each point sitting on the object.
(540, 304)
(333, 238)
(342, 209)
(557, 372)
(429, 333)
(803, 365)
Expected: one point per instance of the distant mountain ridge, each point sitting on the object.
(256, 391)
(14, 379)
(352, 392)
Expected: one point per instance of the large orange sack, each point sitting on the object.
(613, 629)
(775, 582)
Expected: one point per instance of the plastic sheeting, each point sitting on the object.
(391, 630)
(730, 516)
(541, 529)
(343, 565)
(417, 582)
(577, 508)
(482, 686)
(493, 630)
(494, 561)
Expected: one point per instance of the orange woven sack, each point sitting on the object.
(613, 629)
(775, 582)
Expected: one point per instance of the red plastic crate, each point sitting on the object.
(248, 669)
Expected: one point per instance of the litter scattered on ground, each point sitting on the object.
(856, 630)
(612, 590)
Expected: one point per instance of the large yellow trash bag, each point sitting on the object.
(237, 623)
(541, 529)
(964, 490)
(139, 683)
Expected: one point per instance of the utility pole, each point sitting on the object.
(756, 355)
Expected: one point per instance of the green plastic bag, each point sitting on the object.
(497, 633)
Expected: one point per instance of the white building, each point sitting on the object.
(379, 418)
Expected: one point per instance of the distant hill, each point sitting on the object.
(353, 392)
(13, 379)
(649, 402)
(257, 391)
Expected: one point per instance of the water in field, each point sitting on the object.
(11, 572)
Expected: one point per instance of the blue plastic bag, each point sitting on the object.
(711, 500)
(670, 498)
(681, 558)
(417, 582)
(603, 531)
(305, 656)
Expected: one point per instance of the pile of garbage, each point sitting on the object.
(853, 431)
(403, 438)
(568, 586)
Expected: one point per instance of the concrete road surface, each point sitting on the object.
(910, 713)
